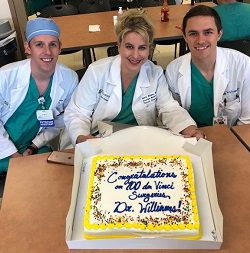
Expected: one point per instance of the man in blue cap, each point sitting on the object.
(34, 94)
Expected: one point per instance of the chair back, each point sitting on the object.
(58, 10)
(32, 7)
(152, 3)
(115, 4)
(201, 1)
(112, 51)
(74, 2)
(90, 6)
(242, 45)
(148, 3)
(138, 3)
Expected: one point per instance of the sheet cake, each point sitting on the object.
(141, 196)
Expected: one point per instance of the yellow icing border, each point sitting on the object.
(139, 225)
(103, 236)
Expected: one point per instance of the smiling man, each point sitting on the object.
(34, 94)
(212, 83)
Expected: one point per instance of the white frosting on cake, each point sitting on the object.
(141, 196)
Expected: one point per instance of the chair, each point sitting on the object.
(141, 3)
(242, 45)
(58, 10)
(202, 1)
(74, 2)
(147, 3)
(80, 73)
(112, 51)
(32, 6)
(115, 4)
(2, 184)
(90, 6)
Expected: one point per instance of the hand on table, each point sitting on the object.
(31, 150)
(193, 131)
(15, 155)
(82, 138)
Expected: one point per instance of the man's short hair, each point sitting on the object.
(202, 10)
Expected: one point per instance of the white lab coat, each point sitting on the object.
(14, 83)
(99, 96)
(231, 82)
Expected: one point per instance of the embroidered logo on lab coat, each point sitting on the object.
(149, 98)
(103, 95)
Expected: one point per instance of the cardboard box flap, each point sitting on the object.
(106, 128)
(82, 151)
(203, 148)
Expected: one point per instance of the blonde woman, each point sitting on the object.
(127, 88)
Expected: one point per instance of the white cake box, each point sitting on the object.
(147, 141)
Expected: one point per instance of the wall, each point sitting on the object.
(5, 10)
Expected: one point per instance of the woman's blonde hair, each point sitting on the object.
(135, 21)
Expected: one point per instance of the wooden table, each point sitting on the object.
(37, 197)
(75, 29)
(242, 132)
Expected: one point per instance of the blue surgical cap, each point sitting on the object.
(41, 26)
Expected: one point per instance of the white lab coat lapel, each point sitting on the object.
(184, 81)
(220, 79)
(19, 92)
(142, 82)
(113, 87)
(56, 89)
(114, 78)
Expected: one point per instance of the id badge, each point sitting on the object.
(222, 120)
(45, 118)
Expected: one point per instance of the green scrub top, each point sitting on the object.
(235, 19)
(126, 115)
(202, 99)
(23, 125)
